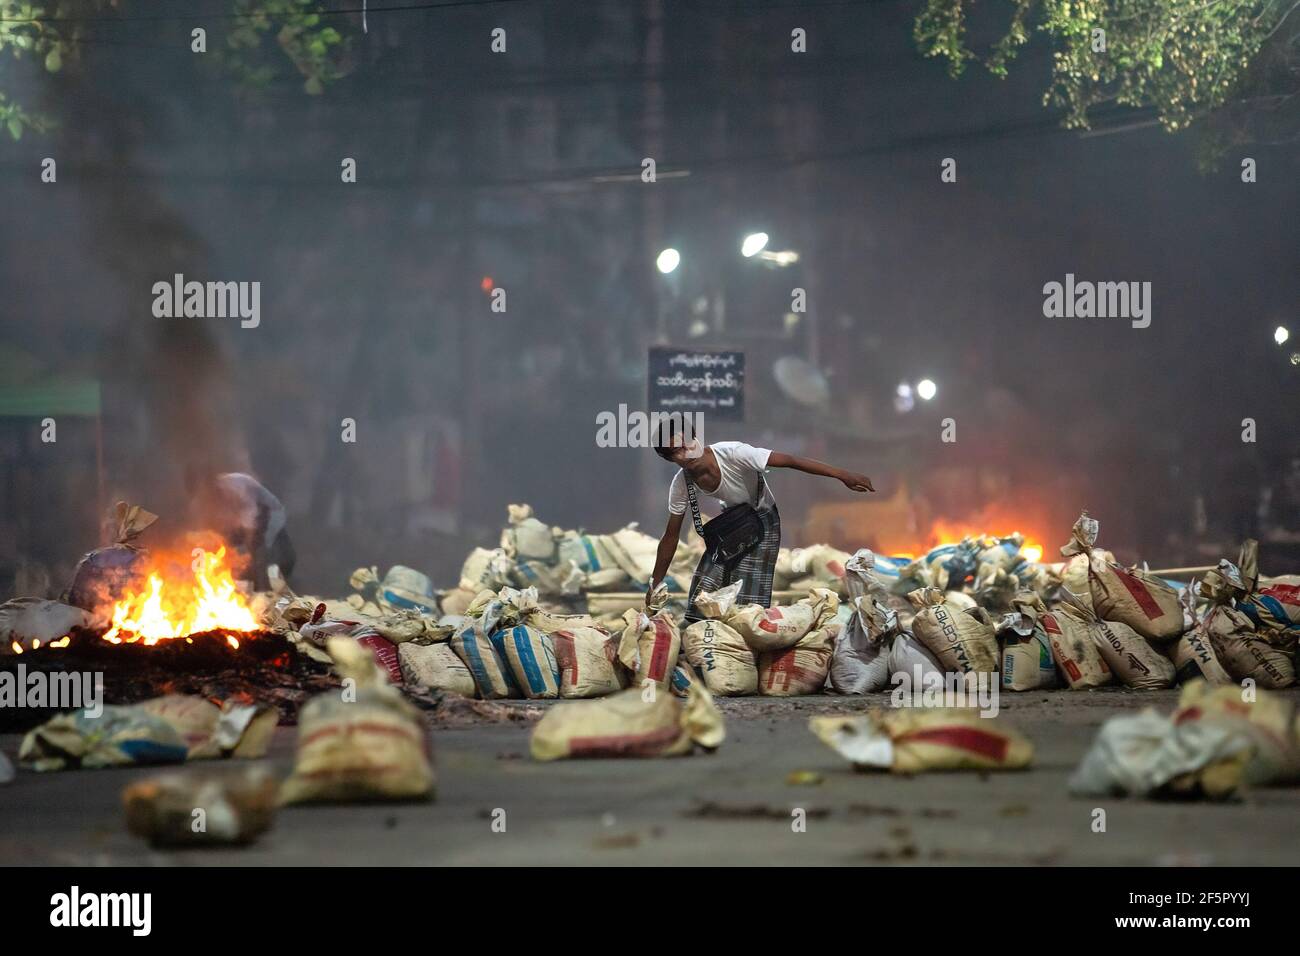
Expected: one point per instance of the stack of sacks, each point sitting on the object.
(961, 637)
(1078, 659)
(1273, 609)
(792, 644)
(1127, 653)
(631, 723)
(1128, 595)
(860, 659)
(401, 589)
(1243, 651)
(310, 626)
(509, 645)
(948, 566)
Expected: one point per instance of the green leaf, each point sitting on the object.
(15, 127)
(54, 60)
(314, 86)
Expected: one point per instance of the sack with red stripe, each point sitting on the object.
(588, 659)
(721, 657)
(384, 650)
(914, 740)
(1244, 652)
(632, 723)
(767, 629)
(962, 638)
(649, 648)
(1269, 720)
(1078, 659)
(1126, 652)
(821, 565)
(362, 742)
(1128, 595)
(801, 669)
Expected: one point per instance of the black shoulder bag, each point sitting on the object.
(732, 533)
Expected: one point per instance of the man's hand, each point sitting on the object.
(856, 482)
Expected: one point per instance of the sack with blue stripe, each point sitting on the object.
(492, 675)
(408, 589)
(531, 656)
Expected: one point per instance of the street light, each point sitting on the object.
(926, 389)
(754, 243)
(1281, 334)
(668, 260)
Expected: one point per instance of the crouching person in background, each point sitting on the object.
(250, 519)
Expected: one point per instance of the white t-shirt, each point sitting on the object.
(244, 496)
(740, 465)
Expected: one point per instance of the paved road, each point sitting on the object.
(612, 812)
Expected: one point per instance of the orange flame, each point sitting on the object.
(164, 610)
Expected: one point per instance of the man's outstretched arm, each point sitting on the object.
(811, 466)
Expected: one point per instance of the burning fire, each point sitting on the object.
(165, 610)
(951, 532)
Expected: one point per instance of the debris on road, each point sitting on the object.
(912, 741)
(363, 742)
(632, 723)
(169, 729)
(197, 809)
(1213, 743)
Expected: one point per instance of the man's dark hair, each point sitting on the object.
(667, 433)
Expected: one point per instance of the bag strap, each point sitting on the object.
(695, 505)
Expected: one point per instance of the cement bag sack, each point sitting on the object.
(485, 569)
(383, 650)
(525, 538)
(1274, 610)
(1129, 595)
(718, 604)
(826, 565)
(548, 622)
(649, 648)
(801, 669)
(962, 640)
(1193, 654)
(1078, 659)
(1000, 553)
(1027, 660)
(627, 724)
(436, 667)
(531, 656)
(909, 656)
(914, 740)
(861, 578)
(860, 658)
(588, 551)
(721, 657)
(1244, 653)
(1133, 661)
(781, 575)
(634, 552)
(372, 747)
(552, 580)
(33, 622)
(456, 601)
(606, 579)
(1268, 719)
(588, 661)
(857, 667)
(1148, 755)
(775, 628)
(492, 675)
(408, 589)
